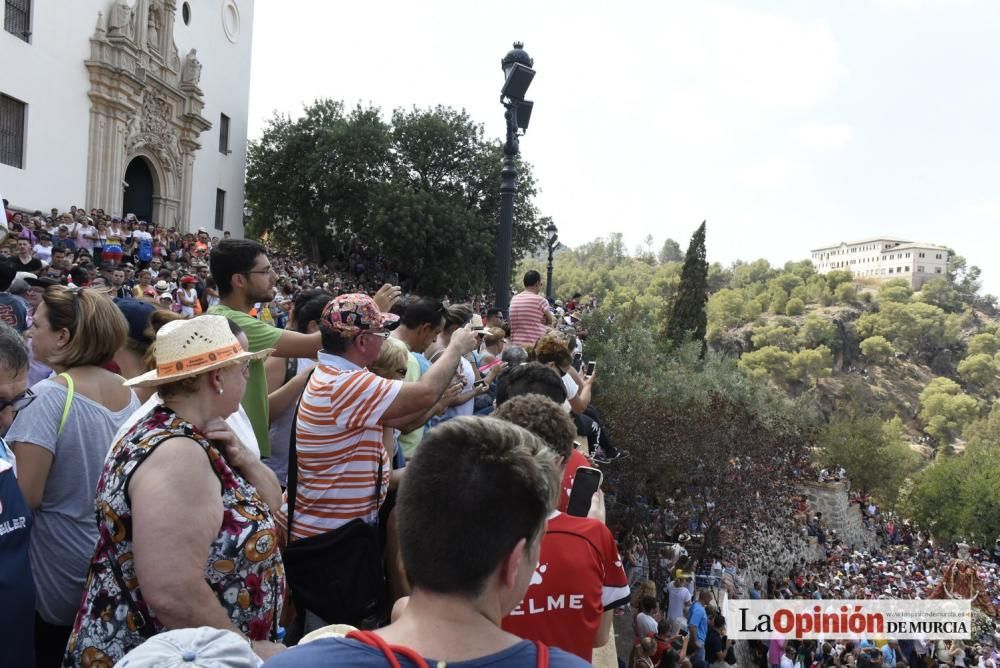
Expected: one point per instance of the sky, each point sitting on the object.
(786, 125)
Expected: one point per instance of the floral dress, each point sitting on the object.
(244, 566)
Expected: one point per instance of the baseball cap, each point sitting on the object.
(351, 314)
(137, 315)
(202, 647)
(36, 281)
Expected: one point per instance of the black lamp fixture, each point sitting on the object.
(518, 75)
(552, 232)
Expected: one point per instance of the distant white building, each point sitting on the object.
(884, 258)
(128, 106)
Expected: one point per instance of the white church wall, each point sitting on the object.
(49, 75)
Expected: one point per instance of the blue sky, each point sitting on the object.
(787, 125)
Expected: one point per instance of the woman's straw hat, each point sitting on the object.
(186, 348)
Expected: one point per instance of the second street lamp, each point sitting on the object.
(552, 232)
(518, 74)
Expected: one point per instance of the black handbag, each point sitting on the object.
(337, 575)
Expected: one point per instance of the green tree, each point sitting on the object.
(895, 290)
(957, 496)
(420, 189)
(846, 293)
(984, 343)
(873, 453)
(877, 349)
(769, 361)
(808, 365)
(945, 409)
(816, 331)
(941, 293)
(911, 327)
(671, 252)
(777, 335)
(688, 320)
(980, 369)
(729, 308)
(794, 306)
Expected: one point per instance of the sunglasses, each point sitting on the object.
(19, 402)
(382, 334)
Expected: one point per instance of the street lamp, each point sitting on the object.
(552, 232)
(518, 74)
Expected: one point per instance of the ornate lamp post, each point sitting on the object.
(552, 232)
(518, 74)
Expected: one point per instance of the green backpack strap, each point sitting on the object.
(69, 401)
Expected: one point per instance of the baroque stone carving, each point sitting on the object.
(192, 68)
(120, 22)
(144, 102)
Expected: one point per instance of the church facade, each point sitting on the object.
(131, 106)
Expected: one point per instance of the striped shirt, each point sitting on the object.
(527, 318)
(339, 442)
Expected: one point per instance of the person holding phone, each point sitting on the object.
(579, 580)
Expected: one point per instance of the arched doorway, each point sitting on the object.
(139, 189)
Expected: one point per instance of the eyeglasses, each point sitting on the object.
(381, 334)
(19, 402)
(269, 270)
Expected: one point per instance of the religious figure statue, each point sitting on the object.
(153, 28)
(192, 68)
(120, 22)
(959, 580)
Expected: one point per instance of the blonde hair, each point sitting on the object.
(645, 588)
(394, 355)
(97, 329)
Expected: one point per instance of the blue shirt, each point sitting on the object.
(698, 619)
(888, 656)
(347, 652)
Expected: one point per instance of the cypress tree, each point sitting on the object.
(688, 320)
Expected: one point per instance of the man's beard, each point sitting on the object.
(262, 295)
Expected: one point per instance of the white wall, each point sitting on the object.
(225, 80)
(50, 76)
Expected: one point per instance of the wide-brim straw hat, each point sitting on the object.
(186, 348)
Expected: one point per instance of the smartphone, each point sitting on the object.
(586, 481)
(591, 367)
(479, 384)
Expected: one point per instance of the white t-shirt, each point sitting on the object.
(239, 422)
(43, 253)
(572, 389)
(190, 294)
(677, 597)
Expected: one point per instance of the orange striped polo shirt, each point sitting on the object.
(339, 442)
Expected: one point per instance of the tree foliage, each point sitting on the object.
(688, 320)
(421, 189)
(873, 452)
(945, 409)
(911, 327)
(877, 349)
(957, 497)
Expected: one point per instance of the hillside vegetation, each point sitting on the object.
(898, 378)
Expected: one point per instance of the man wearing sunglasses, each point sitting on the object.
(17, 588)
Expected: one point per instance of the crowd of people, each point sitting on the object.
(304, 439)
(343, 473)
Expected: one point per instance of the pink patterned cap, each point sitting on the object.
(351, 314)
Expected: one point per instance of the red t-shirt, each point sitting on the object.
(579, 576)
(576, 460)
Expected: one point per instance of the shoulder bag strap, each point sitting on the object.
(69, 401)
(293, 463)
(541, 654)
(388, 651)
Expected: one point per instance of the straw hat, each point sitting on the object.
(186, 348)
